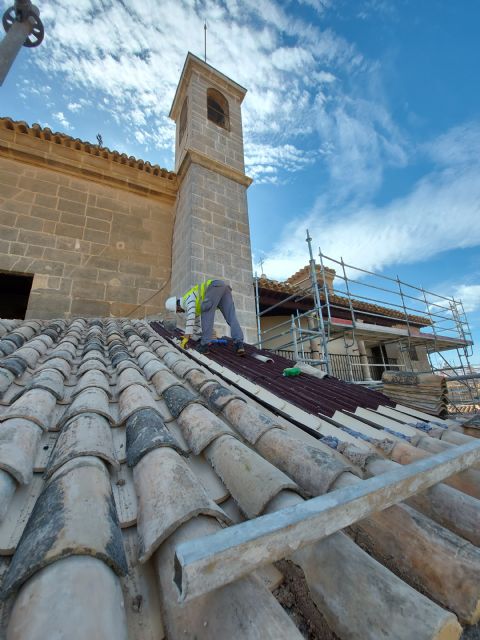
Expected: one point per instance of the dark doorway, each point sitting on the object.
(14, 292)
(379, 361)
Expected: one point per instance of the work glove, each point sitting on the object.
(184, 341)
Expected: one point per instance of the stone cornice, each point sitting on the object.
(192, 156)
(41, 147)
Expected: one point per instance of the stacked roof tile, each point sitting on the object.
(115, 447)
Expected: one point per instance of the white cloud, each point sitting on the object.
(469, 294)
(264, 162)
(74, 107)
(286, 63)
(441, 213)
(59, 116)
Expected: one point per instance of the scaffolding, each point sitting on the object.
(360, 309)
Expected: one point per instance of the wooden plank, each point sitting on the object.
(47, 443)
(384, 421)
(11, 528)
(119, 443)
(124, 495)
(144, 620)
(212, 561)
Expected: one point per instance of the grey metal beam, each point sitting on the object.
(11, 45)
(213, 561)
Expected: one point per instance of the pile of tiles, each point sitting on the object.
(114, 448)
(424, 391)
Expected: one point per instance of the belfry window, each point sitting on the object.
(217, 109)
(183, 119)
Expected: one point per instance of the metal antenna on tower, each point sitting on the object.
(261, 267)
(205, 38)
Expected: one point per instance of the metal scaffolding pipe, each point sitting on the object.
(23, 28)
(209, 562)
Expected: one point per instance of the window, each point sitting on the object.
(183, 120)
(413, 354)
(14, 293)
(217, 109)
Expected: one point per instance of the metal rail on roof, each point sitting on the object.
(419, 319)
(213, 561)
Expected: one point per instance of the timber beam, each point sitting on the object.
(207, 563)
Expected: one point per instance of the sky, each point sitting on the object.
(361, 121)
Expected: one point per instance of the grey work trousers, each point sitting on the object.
(219, 296)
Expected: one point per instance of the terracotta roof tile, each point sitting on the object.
(45, 133)
(115, 446)
(289, 289)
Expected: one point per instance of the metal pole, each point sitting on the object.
(325, 287)
(300, 335)
(318, 304)
(11, 45)
(24, 28)
(210, 562)
(257, 308)
(294, 335)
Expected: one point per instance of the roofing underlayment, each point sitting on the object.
(305, 391)
(117, 448)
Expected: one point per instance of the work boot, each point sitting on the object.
(203, 348)
(239, 348)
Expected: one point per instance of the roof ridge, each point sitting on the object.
(46, 134)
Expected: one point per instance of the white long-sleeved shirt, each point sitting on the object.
(193, 323)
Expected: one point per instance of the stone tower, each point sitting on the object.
(211, 236)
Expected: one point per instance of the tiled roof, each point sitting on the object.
(304, 272)
(289, 289)
(45, 133)
(319, 397)
(115, 447)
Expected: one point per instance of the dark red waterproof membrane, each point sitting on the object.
(314, 395)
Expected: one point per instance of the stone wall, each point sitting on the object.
(212, 236)
(94, 249)
(212, 239)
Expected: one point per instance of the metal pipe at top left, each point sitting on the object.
(23, 27)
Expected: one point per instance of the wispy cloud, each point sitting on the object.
(469, 294)
(59, 117)
(297, 74)
(74, 107)
(440, 213)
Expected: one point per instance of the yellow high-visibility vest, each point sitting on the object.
(199, 290)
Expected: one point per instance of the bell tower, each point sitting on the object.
(211, 236)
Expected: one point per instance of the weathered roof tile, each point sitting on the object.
(146, 431)
(19, 440)
(74, 515)
(91, 400)
(37, 405)
(87, 434)
(132, 399)
(168, 499)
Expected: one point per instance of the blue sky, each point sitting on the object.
(362, 119)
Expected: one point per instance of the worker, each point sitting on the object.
(200, 303)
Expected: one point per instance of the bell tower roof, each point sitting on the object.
(220, 80)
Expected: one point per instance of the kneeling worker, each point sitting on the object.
(200, 303)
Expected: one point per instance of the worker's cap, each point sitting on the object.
(171, 304)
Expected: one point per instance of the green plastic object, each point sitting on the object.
(292, 371)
